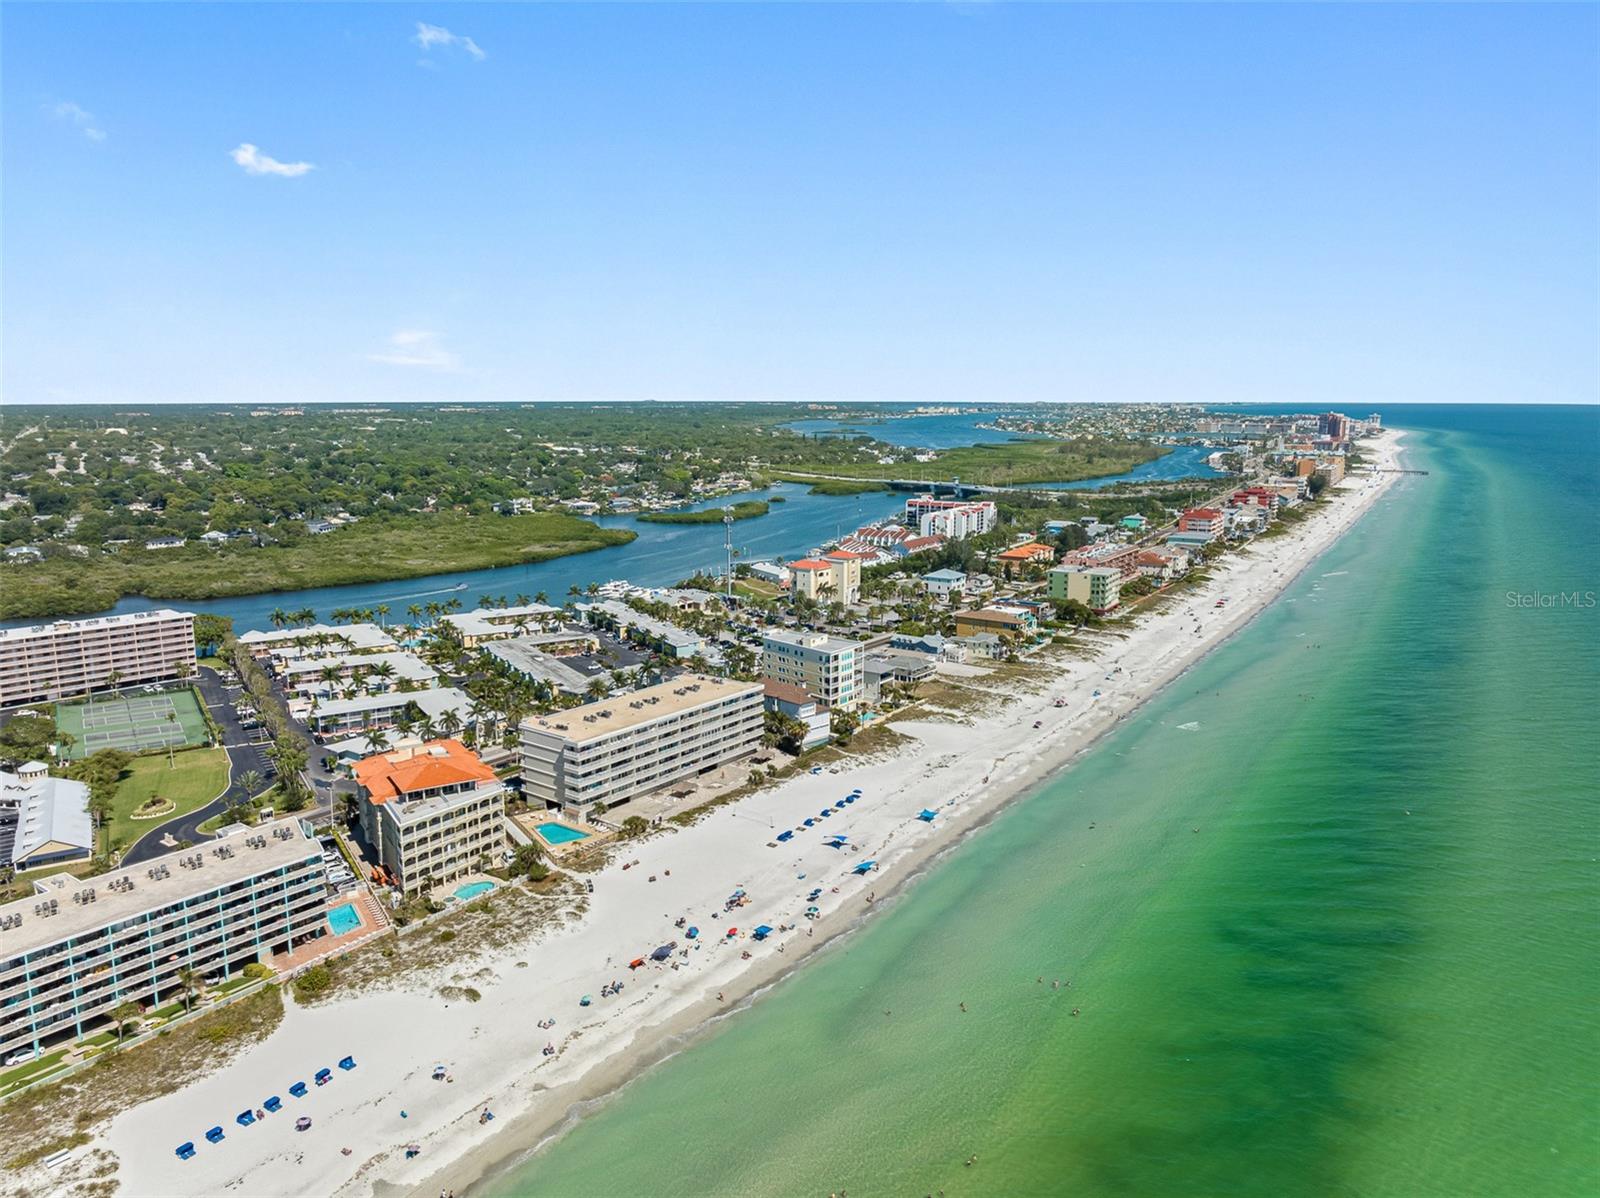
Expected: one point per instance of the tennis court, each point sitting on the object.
(134, 723)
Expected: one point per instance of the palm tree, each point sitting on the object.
(383, 612)
(125, 1014)
(114, 677)
(172, 719)
(450, 721)
(384, 670)
(192, 987)
(523, 600)
(542, 597)
(249, 782)
(415, 612)
(376, 740)
(279, 618)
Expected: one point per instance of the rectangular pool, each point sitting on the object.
(343, 918)
(560, 833)
(472, 890)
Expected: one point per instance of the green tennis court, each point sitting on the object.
(134, 723)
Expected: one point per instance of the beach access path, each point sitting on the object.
(492, 1047)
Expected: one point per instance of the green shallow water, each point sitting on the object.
(1370, 971)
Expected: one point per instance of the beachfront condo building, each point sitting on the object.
(439, 706)
(827, 667)
(431, 813)
(45, 662)
(1099, 588)
(78, 948)
(591, 758)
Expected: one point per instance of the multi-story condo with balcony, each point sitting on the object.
(956, 519)
(45, 662)
(431, 813)
(591, 758)
(79, 948)
(827, 667)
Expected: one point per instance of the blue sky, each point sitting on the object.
(1339, 205)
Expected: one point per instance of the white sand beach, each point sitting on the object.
(492, 1047)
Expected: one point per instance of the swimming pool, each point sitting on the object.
(343, 918)
(560, 833)
(472, 890)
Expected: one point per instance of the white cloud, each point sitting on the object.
(68, 111)
(429, 36)
(257, 163)
(417, 347)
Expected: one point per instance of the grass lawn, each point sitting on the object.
(12, 1078)
(196, 777)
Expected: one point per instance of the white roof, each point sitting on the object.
(485, 621)
(360, 636)
(48, 810)
(122, 621)
(433, 702)
(406, 665)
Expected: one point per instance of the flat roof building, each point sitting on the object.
(596, 756)
(473, 628)
(45, 662)
(826, 666)
(80, 947)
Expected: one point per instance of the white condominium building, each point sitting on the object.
(78, 948)
(601, 754)
(952, 518)
(826, 667)
(45, 662)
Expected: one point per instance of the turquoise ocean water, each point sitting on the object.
(1336, 938)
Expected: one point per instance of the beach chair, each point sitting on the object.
(245, 1118)
(347, 1063)
(272, 1104)
(324, 1076)
(215, 1135)
(298, 1090)
(185, 1150)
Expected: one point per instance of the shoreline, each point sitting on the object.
(536, 1099)
(488, 1163)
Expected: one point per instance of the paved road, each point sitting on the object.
(242, 756)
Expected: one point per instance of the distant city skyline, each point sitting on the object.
(1324, 206)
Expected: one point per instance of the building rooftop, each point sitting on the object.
(49, 811)
(357, 636)
(819, 641)
(486, 621)
(434, 702)
(149, 886)
(1024, 552)
(622, 712)
(808, 563)
(944, 576)
(126, 620)
(407, 666)
(783, 692)
(571, 674)
(429, 766)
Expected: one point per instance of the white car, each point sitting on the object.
(21, 1058)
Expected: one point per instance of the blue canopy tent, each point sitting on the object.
(245, 1118)
(347, 1063)
(865, 867)
(762, 932)
(836, 842)
(926, 816)
(323, 1076)
(839, 806)
(789, 835)
(828, 814)
(298, 1090)
(851, 798)
(810, 823)
(185, 1150)
(816, 769)
(662, 953)
(272, 1104)
(856, 792)
(215, 1135)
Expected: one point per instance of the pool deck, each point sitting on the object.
(373, 922)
